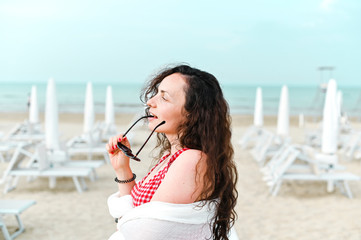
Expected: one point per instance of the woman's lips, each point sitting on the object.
(152, 117)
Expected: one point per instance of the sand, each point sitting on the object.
(301, 210)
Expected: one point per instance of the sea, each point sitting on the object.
(306, 100)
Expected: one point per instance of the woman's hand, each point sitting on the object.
(117, 158)
(120, 163)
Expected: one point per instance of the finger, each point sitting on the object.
(112, 143)
(125, 141)
(108, 149)
(120, 138)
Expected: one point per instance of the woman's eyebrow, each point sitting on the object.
(163, 91)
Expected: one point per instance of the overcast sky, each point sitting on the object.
(244, 42)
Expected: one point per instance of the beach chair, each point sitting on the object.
(4, 152)
(107, 130)
(277, 166)
(13, 207)
(90, 143)
(345, 141)
(62, 158)
(25, 131)
(38, 165)
(251, 135)
(350, 147)
(8, 147)
(319, 168)
(259, 151)
(267, 145)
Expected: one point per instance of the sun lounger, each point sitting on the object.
(351, 146)
(267, 145)
(282, 167)
(62, 158)
(88, 143)
(339, 178)
(39, 165)
(7, 147)
(13, 207)
(251, 135)
(26, 131)
(4, 152)
(76, 173)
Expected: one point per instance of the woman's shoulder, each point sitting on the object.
(190, 157)
(182, 183)
(194, 153)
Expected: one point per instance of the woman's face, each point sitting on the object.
(168, 105)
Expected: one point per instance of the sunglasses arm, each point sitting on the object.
(148, 116)
(149, 137)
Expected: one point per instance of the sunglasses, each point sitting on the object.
(127, 151)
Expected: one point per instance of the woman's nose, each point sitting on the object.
(151, 102)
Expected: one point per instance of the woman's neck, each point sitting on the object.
(175, 145)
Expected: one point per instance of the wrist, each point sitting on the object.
(124, 173)
(125, 180)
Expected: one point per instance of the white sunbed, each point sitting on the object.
(8, 147)
(90, 144)
(251, 135)
(351, 147)
(26, 131)
(267, 145)
(13, 207)
(4, 151)
(39, 166)
(282, 167)
(107, 130)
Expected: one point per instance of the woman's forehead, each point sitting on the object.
(173, 83)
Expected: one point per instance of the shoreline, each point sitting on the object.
(122, 118)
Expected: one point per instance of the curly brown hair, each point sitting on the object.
(207, 128)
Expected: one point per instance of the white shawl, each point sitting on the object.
(160, 220)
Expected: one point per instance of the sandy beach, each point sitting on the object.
(301, 210)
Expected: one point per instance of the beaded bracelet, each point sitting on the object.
(125, 181)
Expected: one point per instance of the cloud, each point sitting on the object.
(327, 5)
(28, 10)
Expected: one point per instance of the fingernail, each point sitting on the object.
(120, 139)
(125, 137)
(111, 152)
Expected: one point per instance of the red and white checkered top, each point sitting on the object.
(144, 193)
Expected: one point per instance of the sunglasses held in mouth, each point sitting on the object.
(127, 151)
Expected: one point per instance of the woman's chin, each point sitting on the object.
(152, 125)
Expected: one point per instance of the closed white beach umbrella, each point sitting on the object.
(89, 114)
(283, 121)
(258, 109)
(330, 120)
(109, 107)
(51, 117)
(339, 102)
(34, 108)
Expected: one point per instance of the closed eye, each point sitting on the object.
(162, 94)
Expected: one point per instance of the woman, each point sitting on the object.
(196, 165)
